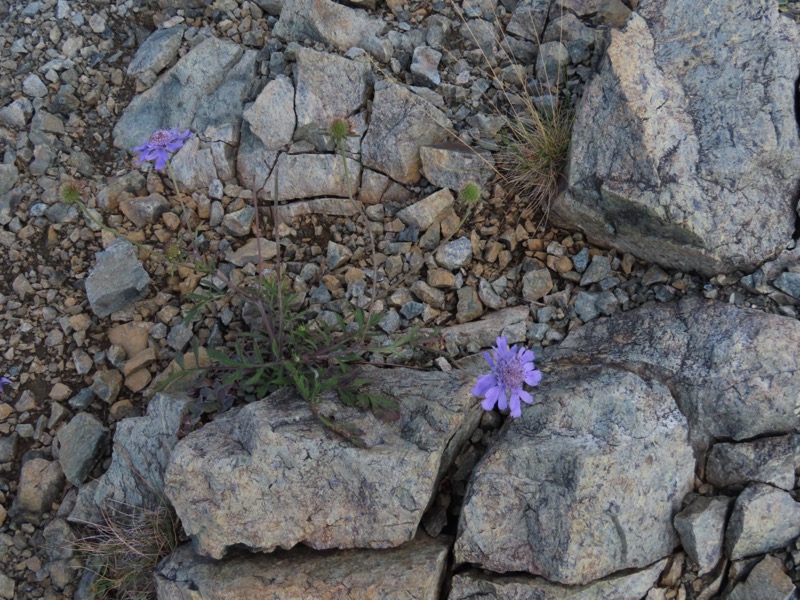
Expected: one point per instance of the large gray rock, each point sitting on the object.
(271, 117)
(767, 581)
(768, 460)
(40, 484)
(142, 448)
(454, 165)
(328, 87)
(332, 23)
(685, 149)
(157, 52)
(473, 584)
(733, 371)
(174, 100)
(584, 484)
(79, 444)
(422, 214)
(763, 519)
(402, 122)
(413, 571)
(271, 475)
(312, 175)
(117, 280)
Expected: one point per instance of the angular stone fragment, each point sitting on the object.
(584, 484)
(528, 19)
(734, 372)
(173, 101)
(311, 175)
(475, 584)
(40, 484)
(763, 519)
(271, 117)
(701, 527)
(425, 66)
(455, 255)
(252, 251)
(146, 210)
(117, 280)
(670, 166)
(338, 207)
(157, 52)
(194, 166)
(402, 122)
(414, 571)
(328, 87)
(767, 581)
(79, 444)
(767, 460)
(271, 475)
(454, 165)
(326, 21)
(536, 284)
(422, 214)
(9, 175)
(485, 332)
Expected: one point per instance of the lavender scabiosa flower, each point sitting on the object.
(161, 145)
(4, 381)
(511, 367)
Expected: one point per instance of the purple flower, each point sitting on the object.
(160, 145)
(511, 367)
(4, 381)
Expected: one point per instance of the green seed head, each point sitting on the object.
(71, 192)
(470, 193)
(339, 130)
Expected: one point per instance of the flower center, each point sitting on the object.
(160, 137)
(510, 374)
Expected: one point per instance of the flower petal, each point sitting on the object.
(516, 410)
(502, 401)
(533, 378)
(488, 404)
(483, 384)
(489, 359)
(526, 356)
(525, 397)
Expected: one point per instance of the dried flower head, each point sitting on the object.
(71, 191)
(161, 145)
(511, 368)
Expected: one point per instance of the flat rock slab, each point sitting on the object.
(734, 372)
(584, 484)
(117, 280)
(685, 151)
(271, 475)
(411, 572)
(476, 584)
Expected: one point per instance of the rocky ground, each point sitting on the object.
(63, 88)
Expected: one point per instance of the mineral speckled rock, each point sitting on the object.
(768, 460)
(157, 52)
(413, 571)
(271, 117)
(80, 444)
(666, 162)
(584, 484)
(701, 527)
(733, 371)
(764, 518)
(453, 166)
(289, 479)
(767, 581)
(475, 584)
(310, 175)
(117, 280)
(422, 214)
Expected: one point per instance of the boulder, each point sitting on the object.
(271, 117)
(157, 52)
(272, 475)
(732, 371)
(685, 149)
(701, 527)
(767, 581)
(313, 175)
(475, 584)
(763, 519)
(412, 571)
(768, 460)
(402, 122)
(584, 484)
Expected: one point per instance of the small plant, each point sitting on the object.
(125, 549)
(511, 368)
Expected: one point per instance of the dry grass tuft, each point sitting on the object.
(125, 549)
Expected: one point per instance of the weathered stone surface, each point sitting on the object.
(767, 581)
(402, 122)
(157, 52)
(733, 371)
(332, 23)
(456, 254)
(425, 66)
(117, 280)
(142, 448)
(194, 166)
(79, 444)
(254, 161)
(413, 572)
(291, 480)
(173, 101)
(485, 332)
(477, 584)
(767, 460)
(132, 183)
(328, 87)
(40, 484)
(584, 484)
(454, 165)
(338, 207)
(701, 527)
(536, 284)
(146, 210)
(667, 161)
(422, 214)
(271, 117)
(763, 519)
(249, 253)
(310, 175)
(528, 19)
(9, 175)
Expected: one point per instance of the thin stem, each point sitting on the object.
(171, 173)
